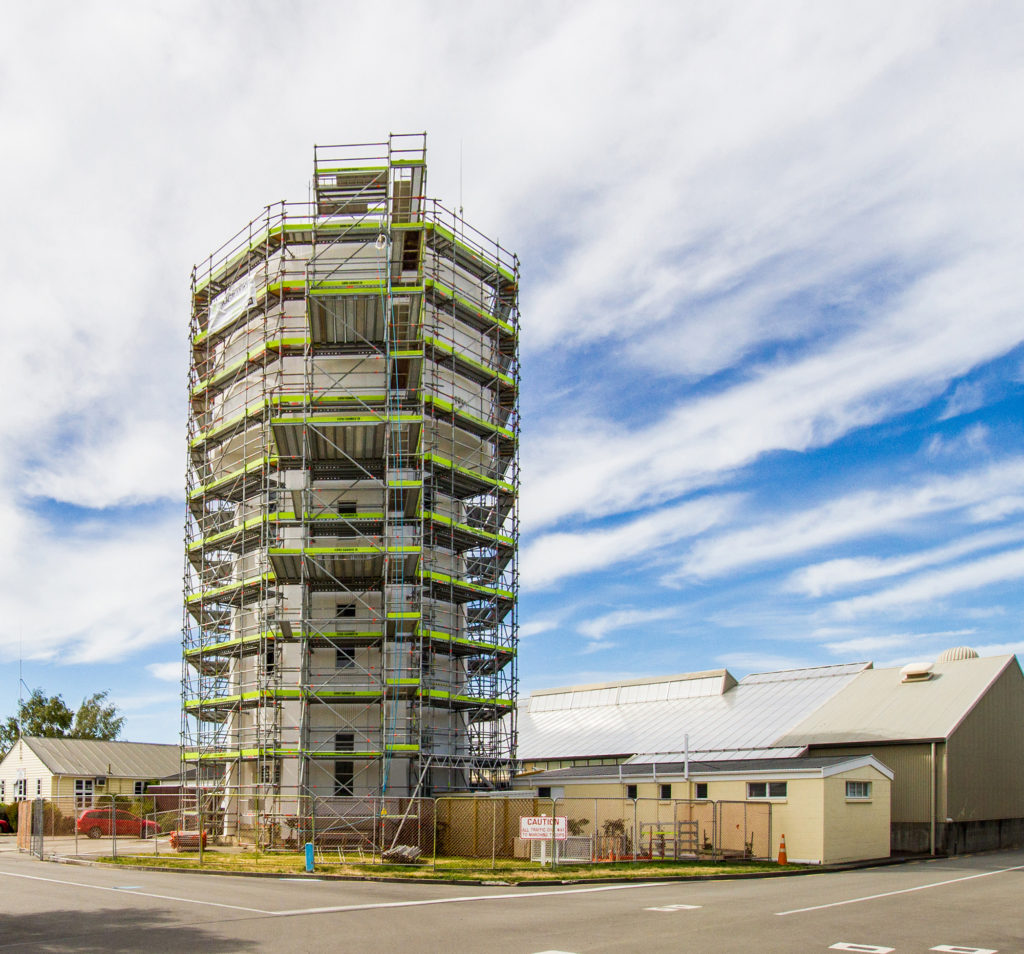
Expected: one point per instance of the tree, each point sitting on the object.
(51, 718)
(94, 720)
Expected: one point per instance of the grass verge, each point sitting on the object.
(449, 869)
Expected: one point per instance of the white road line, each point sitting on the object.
(889, 894)
(675, 907)
(861, 948)
(141, 894)
(951, 949)
(337, 909)
(519, 896)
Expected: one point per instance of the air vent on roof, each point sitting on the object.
(957, 653)
(916, 672)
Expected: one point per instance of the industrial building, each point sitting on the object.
(351, 573)
(949, 733)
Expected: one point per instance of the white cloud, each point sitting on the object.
(865, 646)
(969, 443)
(165, 671)
(966, 397)
(99, 592)
(928, 588)
(600, 626)
(848, 518)
(554, 556)
(832, 575)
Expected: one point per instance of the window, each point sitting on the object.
(630, 791)
(544, 791)
(858, 790)
(345, 611)
(766, 789)
(270, 659)
(140, 788)
(39, 786)
(83, 793)
(20, 790)
(344, 658)
(666, 791)
(343, 778)
(344, 742)
(700, 790)
(3, 789)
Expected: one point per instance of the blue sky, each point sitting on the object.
(773, 334)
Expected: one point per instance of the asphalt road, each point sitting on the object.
(959, 906)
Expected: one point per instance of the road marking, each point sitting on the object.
(676, 907)
(889, 894)
(139, 894)
(951, 949)
(338, 909)
(128, 887)
(863, 948)
(519, 896)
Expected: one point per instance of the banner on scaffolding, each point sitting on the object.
(540, 827)
(231, 302)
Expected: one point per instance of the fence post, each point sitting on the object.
(635, 836)
(494, 834)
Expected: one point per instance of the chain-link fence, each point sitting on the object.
(102, 824)
(453, 831)
(472, 829)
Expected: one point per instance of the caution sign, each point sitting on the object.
(540, 828)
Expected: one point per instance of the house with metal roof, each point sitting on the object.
(951, 733)
(82, 769)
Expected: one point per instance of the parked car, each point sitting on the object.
(5, 826)
(95, 822)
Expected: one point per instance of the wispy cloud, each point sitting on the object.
(937, 585)
(556, 556)
(851, 517)
(832, 575)
(597, 629)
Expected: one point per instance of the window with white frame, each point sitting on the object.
(3, 790)
(858, 789)
(20, 789)
(700, 790)
(39, 786)
(766, 789)
(139, 788)
(83, 793)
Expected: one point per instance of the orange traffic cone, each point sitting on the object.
(783, 860)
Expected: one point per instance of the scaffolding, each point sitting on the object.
(351, 574)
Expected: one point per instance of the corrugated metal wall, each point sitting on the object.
(911, 784)
(986, 754)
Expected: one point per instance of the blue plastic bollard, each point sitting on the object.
(309, 856)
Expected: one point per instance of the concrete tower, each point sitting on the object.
(351, 576)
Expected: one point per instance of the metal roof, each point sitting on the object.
(654, 715)
(141, 760)
(633, 772)
(720, 755)
(877, 706)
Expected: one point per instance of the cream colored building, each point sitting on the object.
(831, 809)
(951, 731)
(82, 770)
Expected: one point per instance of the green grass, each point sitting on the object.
(447, 869)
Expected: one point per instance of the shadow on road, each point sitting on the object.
(111, 931)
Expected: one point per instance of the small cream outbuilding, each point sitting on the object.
(831, 809)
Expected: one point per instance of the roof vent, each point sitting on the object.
(916, 672)
(958, 653)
